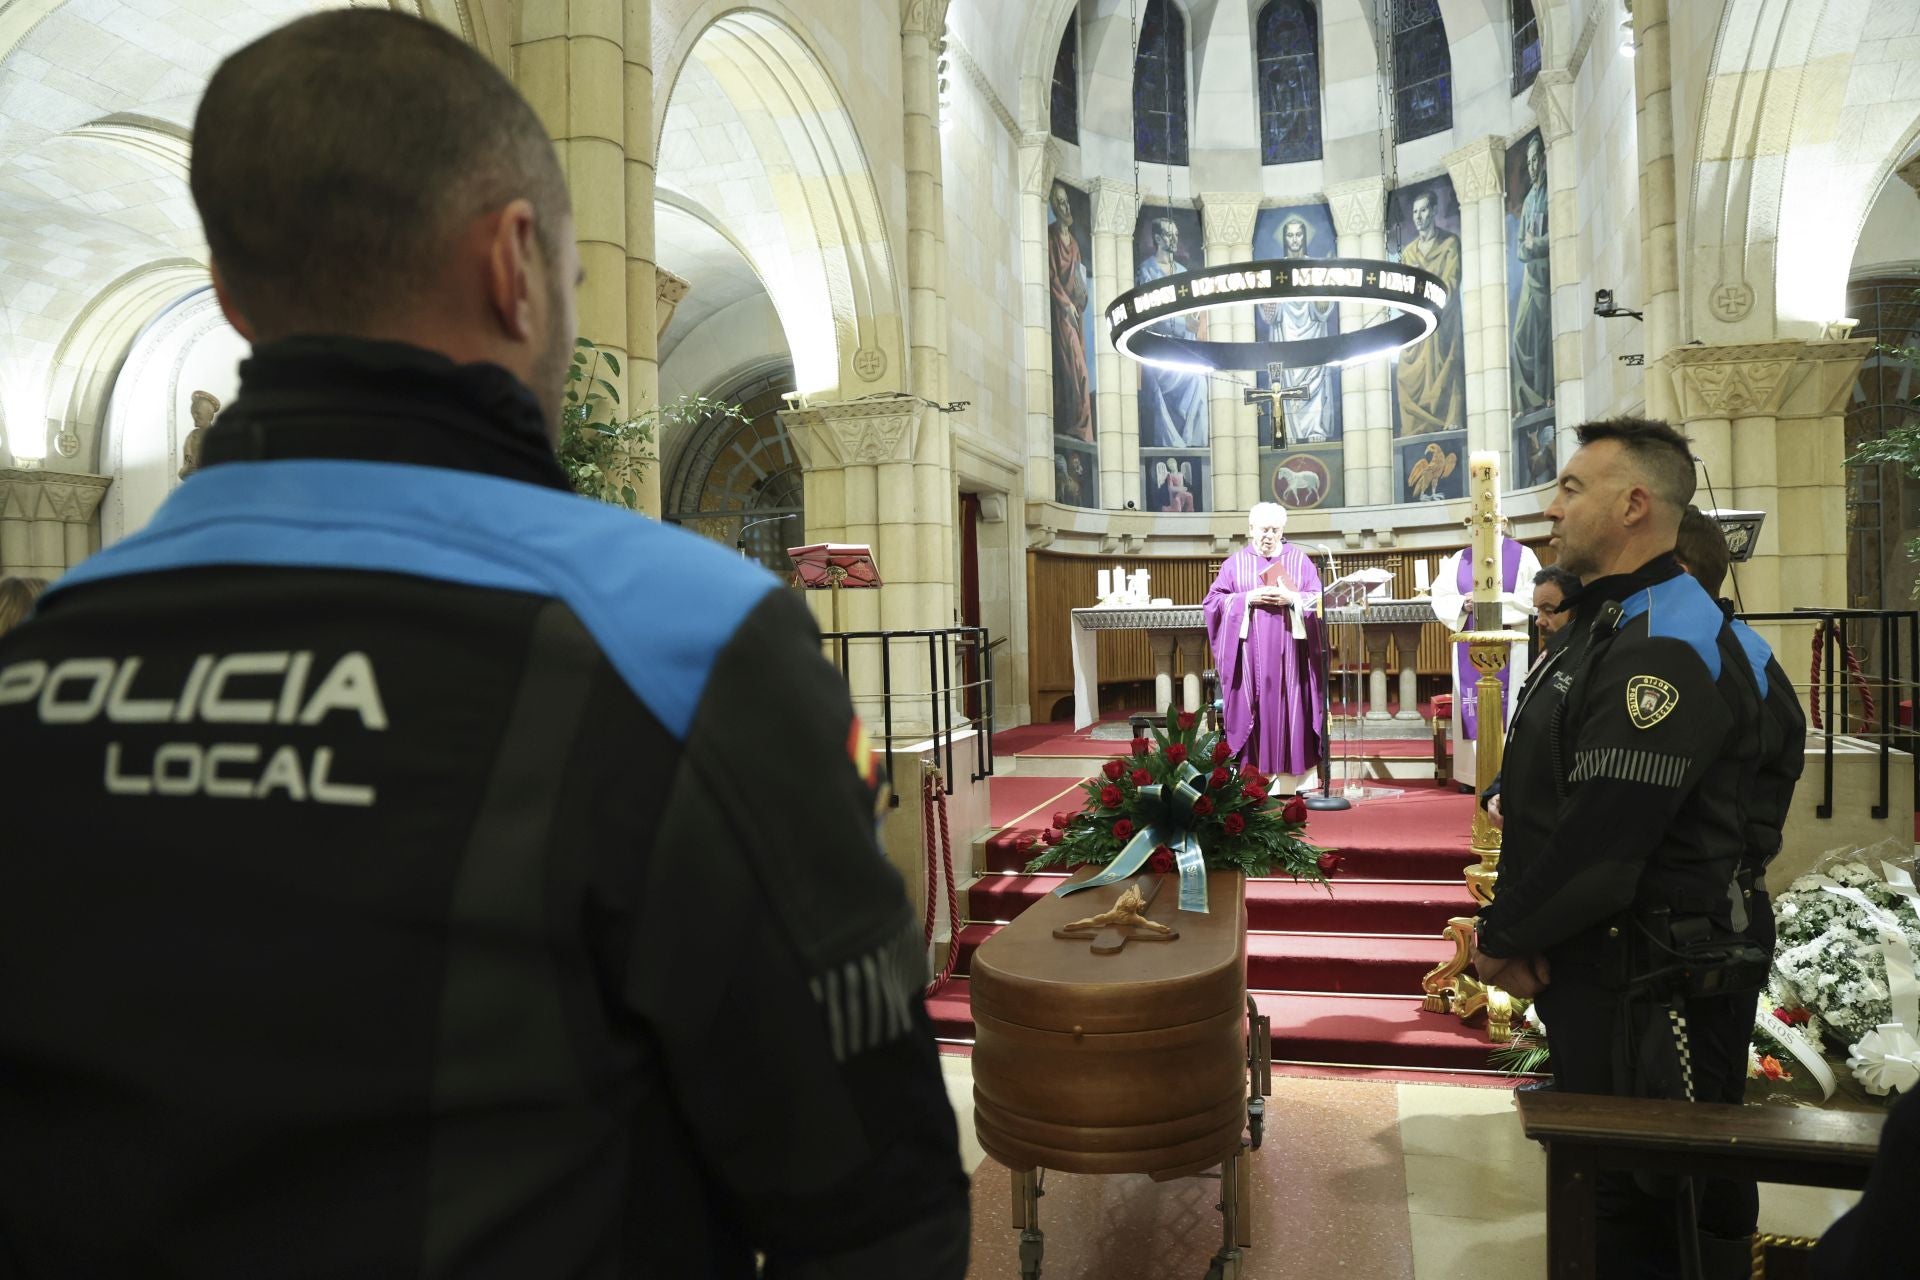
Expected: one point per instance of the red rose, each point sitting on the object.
(1295, 810)
(1329, 862)
(1234, 824)
(1185, 719)
(1113, 769)
(1793, 1017)
(1050, 836)
(1203, 806)
(1062, 819)
(1111, 797)
(1123, 830)
(1220, 778)
(1253, 778)
(1221, 751)
(1141, 777)
(1162, 861)
(1139, 746)
(1254, 790)
(1177, 754)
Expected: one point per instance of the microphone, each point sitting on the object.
(740, 543)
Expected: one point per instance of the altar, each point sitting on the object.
(1181, 626)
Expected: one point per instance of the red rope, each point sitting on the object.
(1853, 669)
(933, 797)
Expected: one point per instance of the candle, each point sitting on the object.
(1483, 492)
(1422, 572)
(1105, 577)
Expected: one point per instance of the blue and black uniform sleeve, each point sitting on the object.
(776, 961)
(1652, 722)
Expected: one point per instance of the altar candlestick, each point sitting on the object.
(1105, 578)
(1422, 576)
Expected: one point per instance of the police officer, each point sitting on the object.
(1631, 751)
(414, 869)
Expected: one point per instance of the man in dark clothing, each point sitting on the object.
(399, 880)
(1632, 749)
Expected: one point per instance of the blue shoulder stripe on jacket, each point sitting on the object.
(659, 601)
(1680, 609)
(1759, 652)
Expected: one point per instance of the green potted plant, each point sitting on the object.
(605, 454)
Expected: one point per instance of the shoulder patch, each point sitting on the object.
(1650, 700)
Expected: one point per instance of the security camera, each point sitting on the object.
(1129, 504)
(1602, 301)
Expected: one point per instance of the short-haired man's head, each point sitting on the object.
(336, 158)
(1557, 576)
(1701, 548)
(1656, 455)
(16, 600)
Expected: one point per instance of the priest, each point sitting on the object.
(1453, 605)
(1263, 622)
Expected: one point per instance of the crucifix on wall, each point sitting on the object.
(1273, 395)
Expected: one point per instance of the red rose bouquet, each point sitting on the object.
(1151, 808)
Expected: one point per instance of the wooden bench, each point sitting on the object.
(1585, 1133)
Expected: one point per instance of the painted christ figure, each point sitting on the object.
(1453, 605)
(1263, 622)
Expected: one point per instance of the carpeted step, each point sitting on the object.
(1340, 905)
(950, 1010)
(1370, 1031)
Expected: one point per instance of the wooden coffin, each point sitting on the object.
(1127, 1063)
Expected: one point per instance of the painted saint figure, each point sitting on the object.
(1067, 280)
(1533, 309)
(1263, 623)
(1173, 406)
(1453, 605)
(1430, 379)
(1309, 420)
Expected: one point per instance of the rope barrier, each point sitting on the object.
(933, 796)
(1814, 682)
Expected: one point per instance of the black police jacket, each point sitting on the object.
(1631, 751)
(415, 870)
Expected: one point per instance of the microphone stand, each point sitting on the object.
(740, 543)
(1326, 799)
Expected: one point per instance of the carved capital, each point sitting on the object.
(1765, 379)
(1228, 216)
(855, 432)
(1552, 100)
(668, 290)
(924, 18)
(1359, 206)
(1478, 169)
(1909, 173)
(69, 497)
(1039, 161)
(1116, 207)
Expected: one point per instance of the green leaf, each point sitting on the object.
(583, 342)
(612, 362)
(611, 391)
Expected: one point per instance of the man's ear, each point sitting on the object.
(240, 323)
(511, 249)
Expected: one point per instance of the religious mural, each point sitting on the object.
(1529, 314)
(1299, 231)
(1303, 479)
(1175, 482)
(1070, 286)
(1173, 405)
(1430, 377)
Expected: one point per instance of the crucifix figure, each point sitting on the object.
(1272, 395)
(1126, 921)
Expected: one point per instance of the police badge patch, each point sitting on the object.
(1649, 700)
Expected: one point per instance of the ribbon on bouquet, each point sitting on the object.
(1172, 825)
(1888, 1057)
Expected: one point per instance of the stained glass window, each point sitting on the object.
(1422, 71)
(1066, 85)
(1526, 46)
(1288, 41)
(1160, 86)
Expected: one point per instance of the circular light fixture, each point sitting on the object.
(1416, 296)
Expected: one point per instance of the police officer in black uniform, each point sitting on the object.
(413, 869)
(1631, 751)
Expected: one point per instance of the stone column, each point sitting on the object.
(1366, 412)
(1478, 171)
(1553, 98)
(1768, 420)
(46, 521)
(1039, 158)
(920, 31)
(643, 277)
(877, 472)
(1194, 658)
(1659, 243)
(1116, 207)
(1228, 220)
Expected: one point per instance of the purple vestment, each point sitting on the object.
(1270, 682)
(1466, 677)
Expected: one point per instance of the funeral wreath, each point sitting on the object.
(1177, 802)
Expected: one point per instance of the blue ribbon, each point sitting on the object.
(1172, 826)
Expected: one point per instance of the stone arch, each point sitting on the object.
(800, 197)
(88, 360)
(727, 474)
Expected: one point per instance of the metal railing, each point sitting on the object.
(959, 674)
(1841, 677)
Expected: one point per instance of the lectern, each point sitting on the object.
(830, 566)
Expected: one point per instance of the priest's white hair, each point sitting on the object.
(1270, 510)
